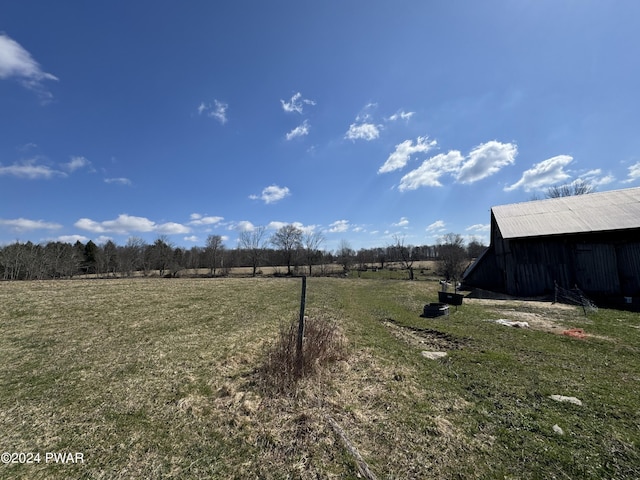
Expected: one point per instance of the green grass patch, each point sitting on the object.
(159, 378)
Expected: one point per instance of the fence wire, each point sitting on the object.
(574, 296)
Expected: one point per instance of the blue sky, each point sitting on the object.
(361, 119)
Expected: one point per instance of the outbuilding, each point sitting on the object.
(591, 241)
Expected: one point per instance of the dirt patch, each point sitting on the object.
(423, 338)
(545, 316)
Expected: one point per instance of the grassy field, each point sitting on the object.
(157, 378)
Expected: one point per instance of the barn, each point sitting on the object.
(590, 241)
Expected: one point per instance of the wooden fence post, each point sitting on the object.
(299, 355)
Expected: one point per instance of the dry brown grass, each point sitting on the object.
(160, 378)
(323, 344)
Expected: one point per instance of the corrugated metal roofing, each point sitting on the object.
(593, 212)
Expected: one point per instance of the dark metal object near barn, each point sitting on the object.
(450, 298)
(590, 241)
(432, 310)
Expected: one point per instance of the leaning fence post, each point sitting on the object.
(303, 299)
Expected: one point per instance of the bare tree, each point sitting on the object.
(577, 187)
(345, 255)
(312, 242)
(406, 254)
(452, 256)
(213, 251)
(253, 243)
(288, 239)
(475, 248)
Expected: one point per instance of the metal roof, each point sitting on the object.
(593, 212)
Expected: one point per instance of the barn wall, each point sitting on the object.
(628, 256)
(597, 264)
(484, 273)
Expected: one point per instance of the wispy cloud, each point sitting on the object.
(402, 154)
(596, 177)
(339, 226)
(218, 110)
(401, 115)
(76, 163)
(543, 174)
(118, 181)
(634, 173)
(199, 220)
(272, 194)
(24, 224)
(362, 131)
(296, 103)
(478, 227)
(437, 226)
(404, 221)
(17, 62)
(31, 170)
(299, 131)
(126, 224)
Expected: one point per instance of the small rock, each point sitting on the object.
(562, 398)
(433, 355)
(558, 430)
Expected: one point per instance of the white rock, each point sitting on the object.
(558, 430)
(562, 398)
(433, 355)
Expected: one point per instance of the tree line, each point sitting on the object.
(289, 249)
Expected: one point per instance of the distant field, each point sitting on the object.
(156, 378)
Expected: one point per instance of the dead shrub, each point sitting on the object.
(322, 344)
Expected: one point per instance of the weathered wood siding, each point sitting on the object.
(601, 264)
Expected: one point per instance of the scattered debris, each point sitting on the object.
(562, 398)
(575, 332)
(558, 430)
(510, 323)
(364, 469)
(433, 355)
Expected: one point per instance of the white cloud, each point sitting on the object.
(485, 160)
(428, 174)
(634, 173)
(22, 224)
(125, 224)
(404, 221)
(339, 226)
(363, 131)
(76, 163)
(299, 131)
(192, 239)
(478, 227)
(118, 181)
(72, 239)
(171, 228)
(244, 226)
(596, 177)
(30, 170)
(543, 174)
(401, 115)
(276, 225)
(272, 194)
(16, 62)
(197, 219)
(436, 226)
(296, 103)
(218, 110)
(402, 154)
